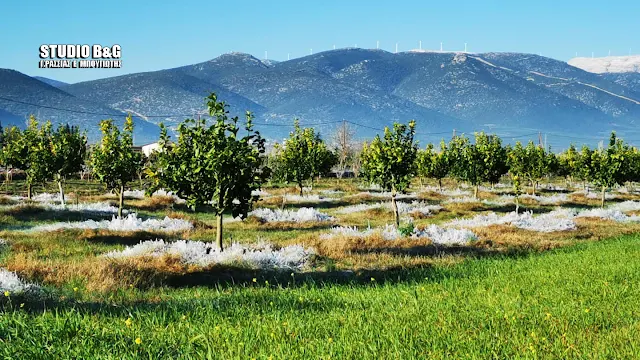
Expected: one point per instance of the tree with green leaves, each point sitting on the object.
(114, 161)
(493, 155)
(610, 165)
(303, 156)
(584, 166)
(568, 164)
(69, 150)
(38, 162)
(466, 162)
(391, 161)
(14, 151)
(433, 164)
(212, 164)
(531, 162)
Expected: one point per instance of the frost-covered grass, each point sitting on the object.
(307, 198)
(10, 282)
(384, 194)
(624, 206)
(403, 208)
(608, 214)
(436, 234)
(129, 223)
(140, 194)
(261, 256)
(559, 220)
(447, 192)
(303, 214)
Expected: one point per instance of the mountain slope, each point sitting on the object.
(159, 93)
(54, 83)
(17, 90)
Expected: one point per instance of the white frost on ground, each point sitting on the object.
(140, 194)
(608, 214)
(100, 208)
(626, 206)
(386, 195)
(260, 193)
(261, 256)
(358, 208)
(331, 192)
(9, 281)
(558, 220)
(403, 207)
(436, 234)
(301, 215)
(307, 198)
(129, 223)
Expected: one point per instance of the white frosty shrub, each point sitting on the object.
(261, 256)
(129, 223)
(301, 215)
(415, 206)
(9, 281)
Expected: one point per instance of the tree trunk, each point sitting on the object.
(475, 191)
(300, 185)
(121, 202)
(61, 192)
(29, 191)
(440, 185)
(533, 187)
(602, 203)
(219, 232)
(517, 205)
(396, 214)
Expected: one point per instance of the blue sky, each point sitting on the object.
(167, 34)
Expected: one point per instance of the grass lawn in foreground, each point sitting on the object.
(582, 301)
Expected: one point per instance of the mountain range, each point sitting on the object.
(513, 94)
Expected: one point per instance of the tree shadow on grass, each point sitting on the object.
(31, 213)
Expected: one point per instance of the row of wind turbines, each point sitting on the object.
(266, 54)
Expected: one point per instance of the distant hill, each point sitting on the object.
(51, 82)
(18, 90)
(8, 119)
(515, 95)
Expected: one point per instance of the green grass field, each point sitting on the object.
(512, 294)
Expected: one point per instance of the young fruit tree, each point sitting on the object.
(531, 162)
(69, 151)
(13, 152)
(610, 165)
(467, 162)
(584, 166)
(303, 156)
(38, 160)
(494, 157)
(391, 162)
(113, 160)
(342, 142)
(568, 164)
(433, 164)
(212, 164)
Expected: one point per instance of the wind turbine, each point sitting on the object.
(420, 42)
(396, 48)
(378, 44)
(465, 47)
(288, 56)
(440, 46)
(265, 55)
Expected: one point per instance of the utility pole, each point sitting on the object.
(540, 139)
(454, 133)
